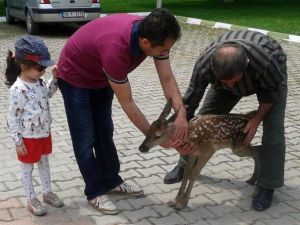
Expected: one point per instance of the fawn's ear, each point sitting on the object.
(167, 109)
(163, 123)
(174, 116)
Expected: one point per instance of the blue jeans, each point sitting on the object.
(91, 128)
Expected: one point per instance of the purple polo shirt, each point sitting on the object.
(105, 48)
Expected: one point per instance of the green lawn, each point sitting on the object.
(273, 15)
(2, 12)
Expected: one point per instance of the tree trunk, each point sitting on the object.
(158, 4)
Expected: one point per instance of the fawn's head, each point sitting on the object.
(159, 131)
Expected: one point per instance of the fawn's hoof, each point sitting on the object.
(251, 181)
(180, 205)
(177, 204)
(172, 203)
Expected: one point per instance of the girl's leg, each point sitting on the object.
(33, 204)
(26, 179)
(44, 172)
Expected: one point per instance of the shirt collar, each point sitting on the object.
(134, 40)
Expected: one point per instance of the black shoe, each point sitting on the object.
(174, 176)
(262, 199)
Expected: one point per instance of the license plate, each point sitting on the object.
(78, 14)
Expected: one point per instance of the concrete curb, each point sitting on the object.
(218, 25)
(226, 26)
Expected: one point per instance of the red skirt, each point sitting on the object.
(36, 147)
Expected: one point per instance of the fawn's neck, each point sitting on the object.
(171, 129)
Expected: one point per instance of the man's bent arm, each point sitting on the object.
(171, 90)
(253, 123)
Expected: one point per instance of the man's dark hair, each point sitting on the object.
(158, 26)
(228, 60)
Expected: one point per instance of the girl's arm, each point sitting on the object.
(14, 124)
(52, 82)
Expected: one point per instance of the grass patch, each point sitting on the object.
(274, 15)
(2, 11)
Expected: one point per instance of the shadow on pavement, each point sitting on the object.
(46, 29)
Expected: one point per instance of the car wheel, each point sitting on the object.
(9, 18)
(32, 27)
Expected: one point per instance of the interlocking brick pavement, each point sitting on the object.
(220, 194)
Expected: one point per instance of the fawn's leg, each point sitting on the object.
(191, 159)
(198, 164)
(249, 151)
(255, 151)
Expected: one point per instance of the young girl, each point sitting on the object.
(29, 117)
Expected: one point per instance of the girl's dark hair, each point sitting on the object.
(13, 69)
(158, 26)
(228, 60)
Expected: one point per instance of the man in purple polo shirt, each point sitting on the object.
(93, 66)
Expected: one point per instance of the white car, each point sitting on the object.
(36, 12)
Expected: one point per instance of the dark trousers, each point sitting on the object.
(91, 128)
(272, 155)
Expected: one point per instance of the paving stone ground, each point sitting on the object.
(220, 194)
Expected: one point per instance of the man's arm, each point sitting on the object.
(194, 94)
(274, 78)
(124, 96)
(198, 84)
(253, 123)
(171, 90)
